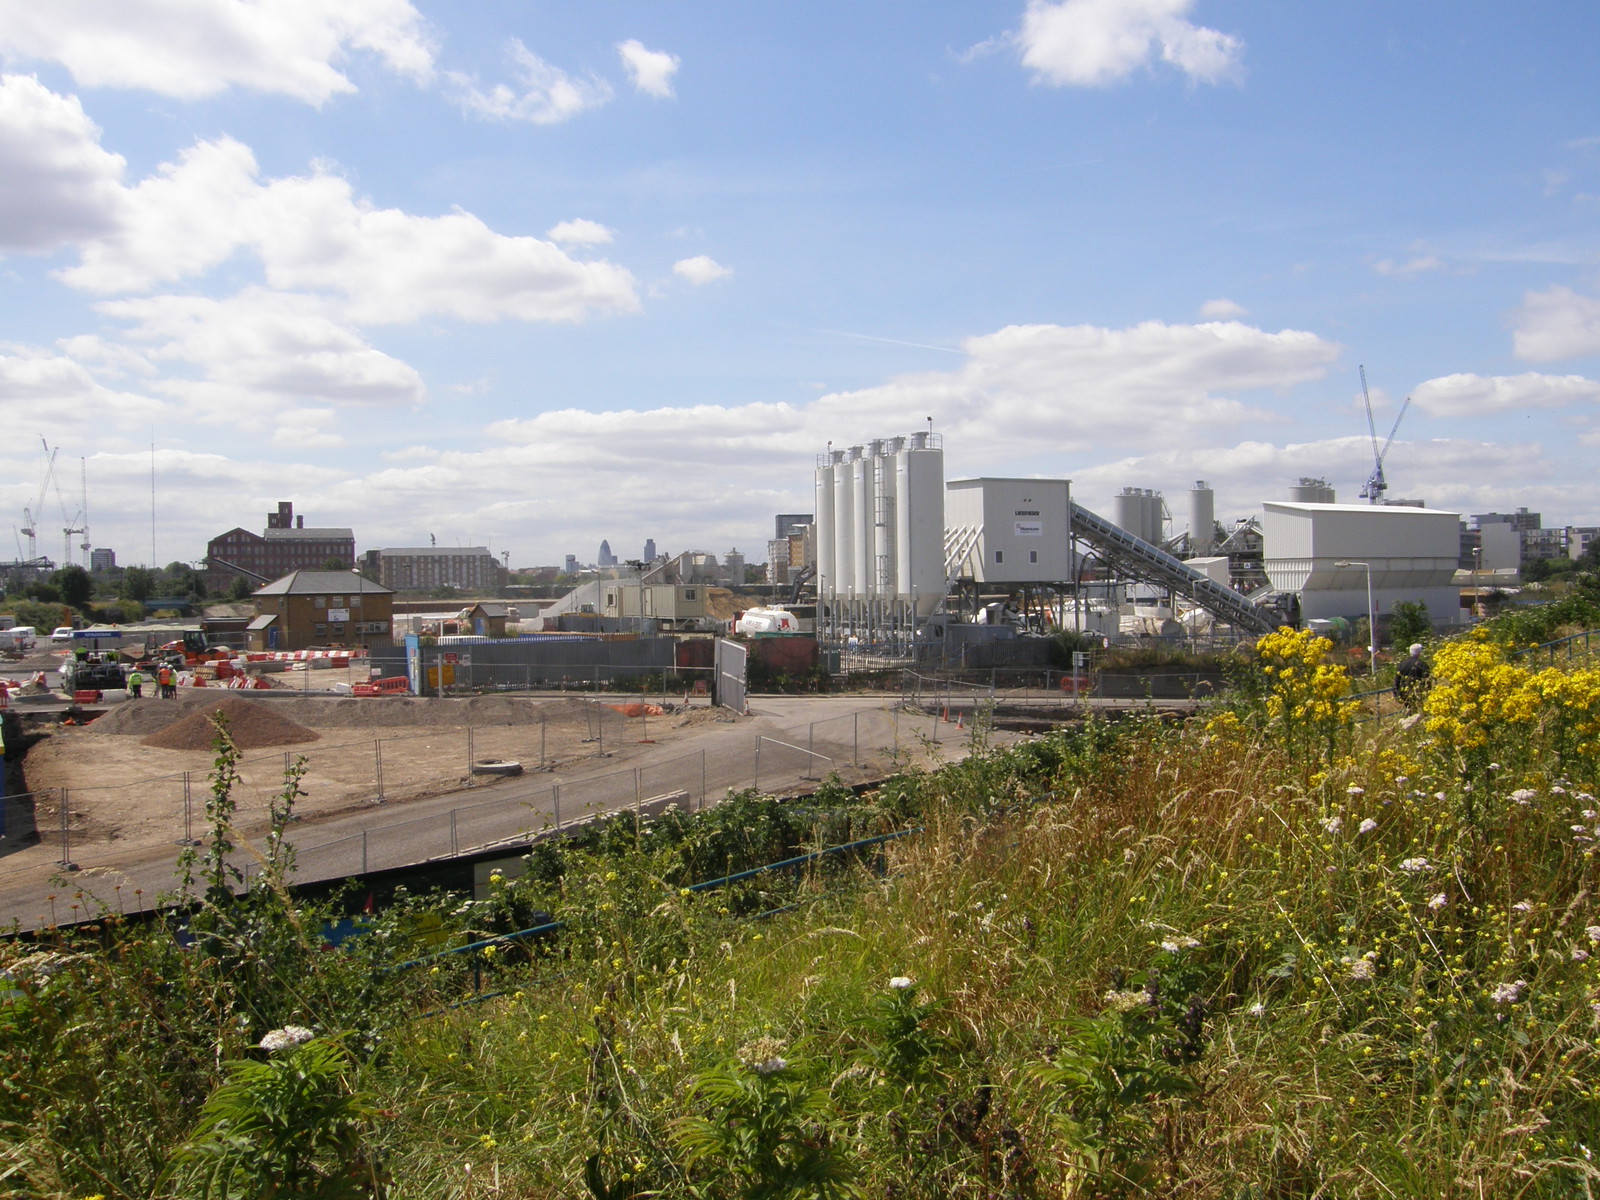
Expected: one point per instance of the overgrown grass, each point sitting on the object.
(1274, 952)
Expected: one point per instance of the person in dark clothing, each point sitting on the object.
(1412, 679)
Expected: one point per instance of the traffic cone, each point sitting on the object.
(960, 720)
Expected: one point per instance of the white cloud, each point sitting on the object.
(306, 429)
(260, 354)
(185, 219)
(651, 70)
(1222, 309)
(1093, 43)
(1416, 265)
(1071, 388)
(52, 388)
(1482, 396)
(57, 184)
(190, 49)
(548, 95)
(313, 233)
(700, 269)
(580, 232)
(1556, 324)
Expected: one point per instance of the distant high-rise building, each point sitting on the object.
(606, 559)
(570, 566)
(649, 550)
(787, 523)
(102, 559)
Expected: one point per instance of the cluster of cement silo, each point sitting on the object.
(880, 535)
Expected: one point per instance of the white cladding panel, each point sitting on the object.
(844, 524)
(1358, 531)
(823, 524)
(1407, 550)
(919, 526)
(1025, 525)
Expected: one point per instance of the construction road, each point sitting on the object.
(783, 745)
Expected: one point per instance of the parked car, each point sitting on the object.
(63, 633)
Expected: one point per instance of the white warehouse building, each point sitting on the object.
(1411, 554)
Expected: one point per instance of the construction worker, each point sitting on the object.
(135, 683)
(1412, 679)
(164, 687)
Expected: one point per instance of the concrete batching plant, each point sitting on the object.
(880, 537)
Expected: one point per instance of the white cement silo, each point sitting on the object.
(1128, 511)
(863, 570)
(823, 522)
(919, 525)
(844, 524)
(1202, 519)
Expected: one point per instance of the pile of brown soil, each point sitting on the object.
(252, 725)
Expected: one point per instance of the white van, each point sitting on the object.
(18, 637)
(63, 633)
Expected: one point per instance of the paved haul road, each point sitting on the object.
(783, 740)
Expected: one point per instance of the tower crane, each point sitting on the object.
(1376, 485)
(32, 515)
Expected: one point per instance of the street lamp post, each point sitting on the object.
(1372, 617)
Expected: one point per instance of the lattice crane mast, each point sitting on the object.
(1376, 485)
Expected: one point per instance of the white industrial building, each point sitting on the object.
(1021, 529)
(1411, 554)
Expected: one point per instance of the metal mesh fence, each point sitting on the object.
(854, 746)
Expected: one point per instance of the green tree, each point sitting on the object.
(138, 583)
(241, 589)
(75, 585)
(1409, 622)
(43, 616)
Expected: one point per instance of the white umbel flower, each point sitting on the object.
(286, 1038)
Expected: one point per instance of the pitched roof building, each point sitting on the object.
(307, 609)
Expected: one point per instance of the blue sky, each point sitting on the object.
(535, 274)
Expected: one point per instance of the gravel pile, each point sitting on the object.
(252, 724)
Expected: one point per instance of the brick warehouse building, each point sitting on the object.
(305, 609)
(285, 545)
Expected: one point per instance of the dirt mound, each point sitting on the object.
(252, 724)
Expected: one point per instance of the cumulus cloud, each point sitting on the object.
(546, 94)
(189, 49)
(251, 357)
(1481, 396)
(650, 70)
(580, 233)
(46, 385)
(1093, 43)
(1222, 309)
(57, 184)
(312, 233)
(700, 269)
(1556, 324)
(1073, 387)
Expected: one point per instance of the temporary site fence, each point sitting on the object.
(855, 746)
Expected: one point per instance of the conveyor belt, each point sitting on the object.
(1121, 549)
